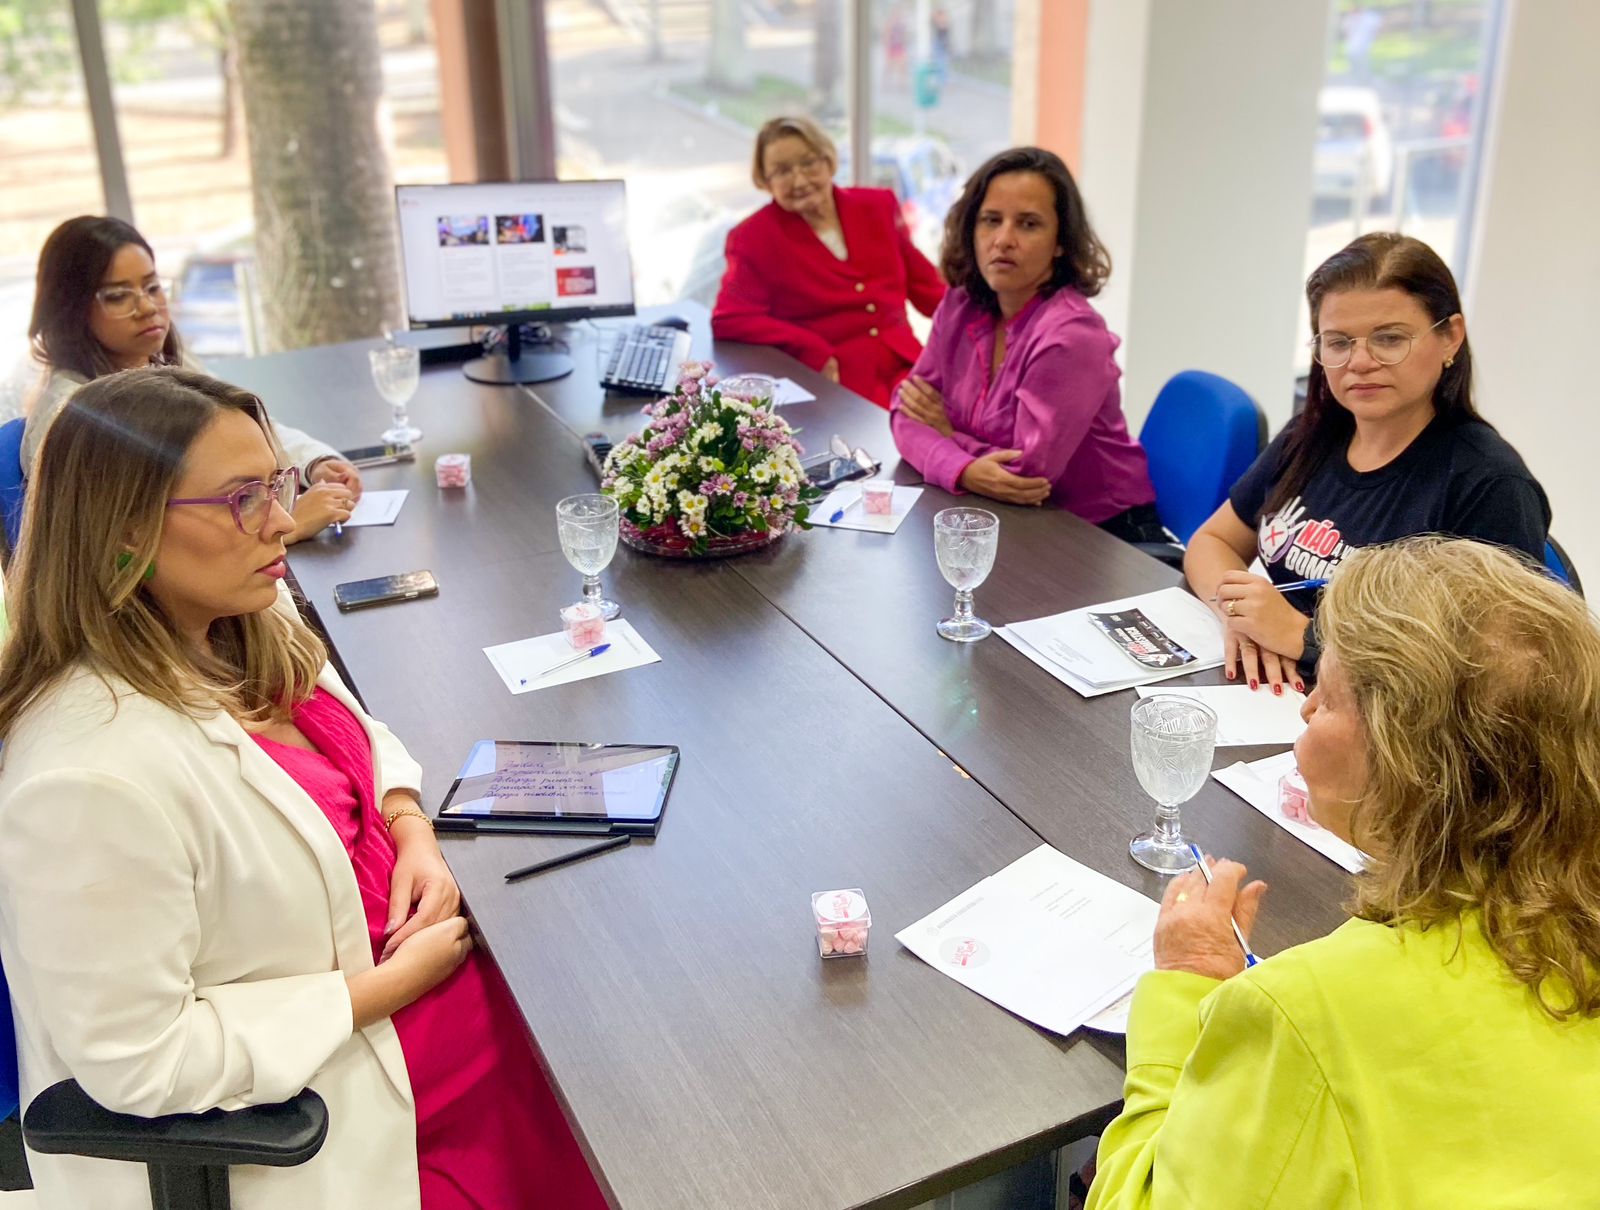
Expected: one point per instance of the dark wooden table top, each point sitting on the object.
(704, 1053)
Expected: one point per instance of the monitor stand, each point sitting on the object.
(510, 363)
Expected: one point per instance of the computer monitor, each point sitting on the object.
(511, 253)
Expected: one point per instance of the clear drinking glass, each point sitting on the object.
(396, 371)
(587, 526)
(964, 539)
(1174, 739)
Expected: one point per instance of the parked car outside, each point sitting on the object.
(1354, 154)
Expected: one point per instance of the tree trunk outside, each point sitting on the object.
(728, 67)
(322, 190)
(828, 59)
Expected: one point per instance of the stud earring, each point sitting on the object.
(125, 558)
(1448, 362)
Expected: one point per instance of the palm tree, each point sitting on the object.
(313, 88)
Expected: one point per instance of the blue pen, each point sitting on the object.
(338, 529)
(838, 515)
(1249, 958)
(1296, 585)
(568, 663)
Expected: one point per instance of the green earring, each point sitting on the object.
(125, 558)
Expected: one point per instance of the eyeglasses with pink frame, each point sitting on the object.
(253, 500)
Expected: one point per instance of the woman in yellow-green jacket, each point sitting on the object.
(1442, 1049)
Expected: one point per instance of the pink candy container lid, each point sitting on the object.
(1293, 800)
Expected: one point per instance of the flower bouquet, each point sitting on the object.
(715, 472)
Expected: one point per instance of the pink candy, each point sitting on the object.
(1293, 800)
(843, 922)
(584, 625)
(877, 497)
(452, 470)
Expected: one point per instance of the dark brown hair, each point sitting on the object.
(72, 264)
(1381, 260)
(1084, 263)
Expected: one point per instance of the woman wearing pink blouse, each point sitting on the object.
(1016, 395)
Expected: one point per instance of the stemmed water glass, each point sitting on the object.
(587, 526)
(964, 539)
(1174, 739)
(396, 371)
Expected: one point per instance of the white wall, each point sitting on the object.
(1533, 304)
(1199, 126)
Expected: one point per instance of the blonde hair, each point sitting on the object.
(1477, 680)
(802, 128)
(104, 475)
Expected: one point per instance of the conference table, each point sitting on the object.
(703, 1053)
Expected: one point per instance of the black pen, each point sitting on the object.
(539, 867)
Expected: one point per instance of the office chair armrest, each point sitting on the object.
(1168, 552)
(62, 1120)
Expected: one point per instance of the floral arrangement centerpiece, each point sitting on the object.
(716, 471)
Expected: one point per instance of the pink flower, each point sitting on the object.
(690, 387)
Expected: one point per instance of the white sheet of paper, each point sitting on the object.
(1047, 938)
(377, 508)
(521, 664)
(1071, 649)
(1257, 784)
(789, 391)
(848, 498)
(1245, 715)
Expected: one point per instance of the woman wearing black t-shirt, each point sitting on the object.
(1389, 445)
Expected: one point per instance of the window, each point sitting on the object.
(1399, 116)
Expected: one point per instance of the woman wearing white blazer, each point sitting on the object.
(183, 922)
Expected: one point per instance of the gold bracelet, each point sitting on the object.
(399, 812)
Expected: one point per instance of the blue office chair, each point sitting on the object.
(187, 1155)
(1560, 566)
(12, 484)
(1202, 433)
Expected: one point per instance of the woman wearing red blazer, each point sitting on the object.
(824, 273)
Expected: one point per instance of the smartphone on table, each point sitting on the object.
(378, 455)
(382, 590)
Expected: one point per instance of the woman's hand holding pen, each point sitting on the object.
(1262, 634)
(1194, 931)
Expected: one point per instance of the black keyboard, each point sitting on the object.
(646, 361)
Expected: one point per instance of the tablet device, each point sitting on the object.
(553, 787)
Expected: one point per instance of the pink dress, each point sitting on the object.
(490, 1135)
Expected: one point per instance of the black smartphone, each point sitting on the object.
(358, 594)
(378, 455)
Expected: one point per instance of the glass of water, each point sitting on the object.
(964, 539)
(587, 526)
(396, 371)
(1174, 739)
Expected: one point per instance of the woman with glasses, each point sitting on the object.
(824, 273)
(216, 884)
(1017, 395)
(99, 307)
(1389, 445)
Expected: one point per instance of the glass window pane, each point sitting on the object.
(669, 95)
(187, 154)
(1397, 121)
(941, 101)
(48, 168)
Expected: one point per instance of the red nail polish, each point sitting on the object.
(1252, 684)
(1299, 686)
(1277, 691)
(1231, 674)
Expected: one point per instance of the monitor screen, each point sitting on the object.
(514, 251)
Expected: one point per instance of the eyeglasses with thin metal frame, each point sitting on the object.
(809, 166)
(119, 302)
(1388, 347)
(251, 503)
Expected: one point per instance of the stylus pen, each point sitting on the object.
(539, 867)
(1249, 958)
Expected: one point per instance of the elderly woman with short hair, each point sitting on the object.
(1442, 1049)
(824, 273)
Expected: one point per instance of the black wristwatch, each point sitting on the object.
(1312, 651)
